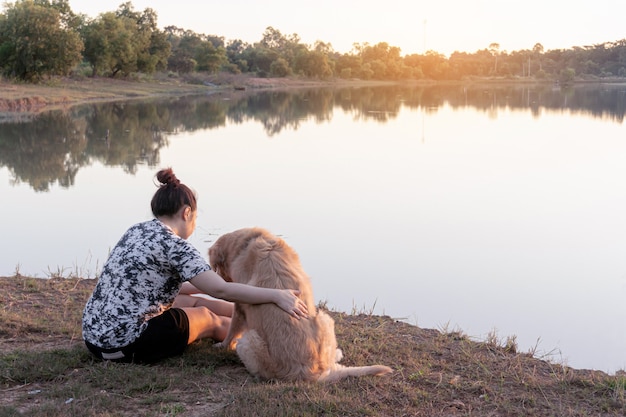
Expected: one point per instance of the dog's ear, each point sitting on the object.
(217, 258)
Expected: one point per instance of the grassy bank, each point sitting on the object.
(46, 370)
(65, 92)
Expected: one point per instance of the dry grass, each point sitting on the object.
(46, 370)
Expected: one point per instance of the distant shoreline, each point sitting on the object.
(21, 99)
(61, 93)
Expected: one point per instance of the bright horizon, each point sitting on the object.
(414, 26)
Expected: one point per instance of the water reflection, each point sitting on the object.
(53, 146)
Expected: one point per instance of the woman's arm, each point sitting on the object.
(189, 288)
(212, 284)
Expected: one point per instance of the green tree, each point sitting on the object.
(36, 42)
(159, 52)
(537, 51)
(348, 65)
(313, 64)
(286, 47)
(68, 18)
(206, 53)
(384, 60)
(148, 42)
(124, 42)
(273, 39)
(208, 57)
(494, 49)
(108, 45)
(260, 59)
(280, 68)
(435, 65)
(567, 75)
(235, 53)
(365, 72)
(379, 69)
(181, 63)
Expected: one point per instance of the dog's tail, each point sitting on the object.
(341, 372)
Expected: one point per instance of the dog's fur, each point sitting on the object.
(271, 343)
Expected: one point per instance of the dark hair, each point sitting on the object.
(172, 195)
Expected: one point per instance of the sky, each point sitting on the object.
(415, 26)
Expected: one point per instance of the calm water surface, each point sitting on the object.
(475, 209)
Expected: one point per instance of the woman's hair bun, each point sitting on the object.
(171, 195)
(167, 176)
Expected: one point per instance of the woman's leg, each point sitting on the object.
(208, 317)
(219, 307)
(204, 323)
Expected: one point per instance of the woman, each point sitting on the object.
(142, 308)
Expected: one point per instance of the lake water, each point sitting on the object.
(480, 209)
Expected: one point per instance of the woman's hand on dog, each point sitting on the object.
(289, 301)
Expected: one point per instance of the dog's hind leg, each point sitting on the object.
(338, 355)
(252, 351)
(255, 355)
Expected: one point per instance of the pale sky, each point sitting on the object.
(414, 26)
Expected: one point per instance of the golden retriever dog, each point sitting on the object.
(271, 343)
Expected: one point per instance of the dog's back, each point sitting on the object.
(267, 261)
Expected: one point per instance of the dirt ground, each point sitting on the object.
(435, 373)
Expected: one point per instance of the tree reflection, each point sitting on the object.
(51, 147)
(42, 152)
(126, 134)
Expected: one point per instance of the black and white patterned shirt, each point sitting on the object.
(139, 281)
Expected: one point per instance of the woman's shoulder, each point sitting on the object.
(149, 230)
(153, 224)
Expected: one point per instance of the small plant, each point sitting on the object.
(618, 387)
(172, 410)
(364, 310)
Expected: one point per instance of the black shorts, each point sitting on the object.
(166, 336)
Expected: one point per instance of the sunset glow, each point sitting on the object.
(415, 26)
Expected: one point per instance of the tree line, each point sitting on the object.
(44, 38)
